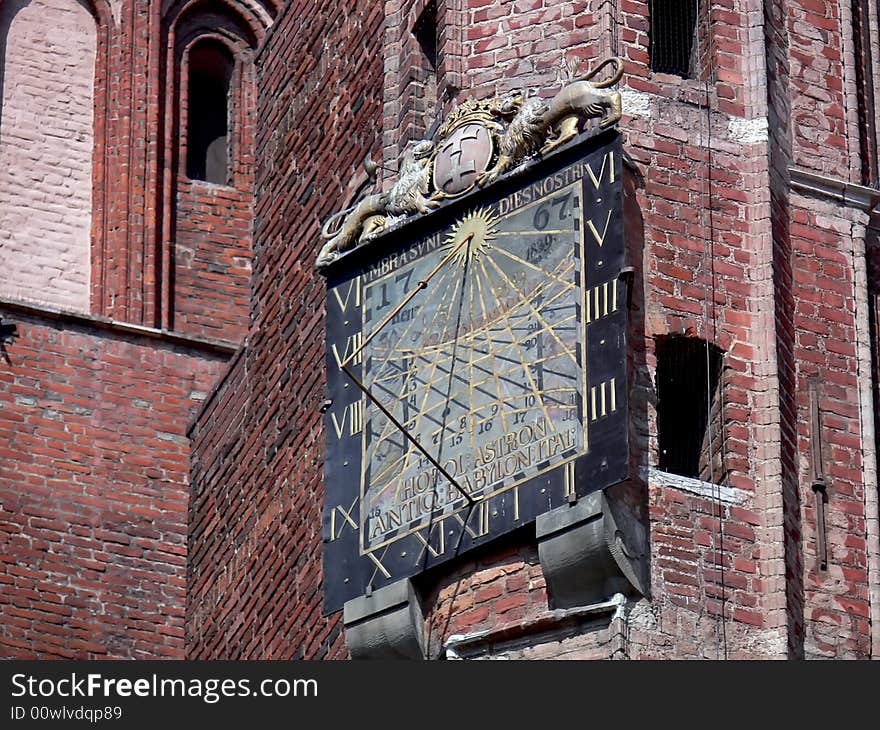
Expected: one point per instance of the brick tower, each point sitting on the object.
(750, 132)
(143, 238)
(126, 217)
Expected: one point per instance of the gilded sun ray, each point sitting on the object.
(480, 225)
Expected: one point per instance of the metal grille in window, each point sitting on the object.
(673, 30)
(688, 407)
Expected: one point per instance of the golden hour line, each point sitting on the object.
(454, 397)
(471, 359)
(379, 565)
(516, 343)
(507, 314)
(513, 356)
(544, 327)
(533, 232)
(569, 285)
(428, 392)
(472, 334)
(525, 369)
(566, 288)
(500, 401)
(503, 316)
(494, 326)
(424, 401)
(486, 315)
(389, 425)
(376, 492)
(528, 304)
(518, 363)
(451, 281)
(562, 324)
(497, 355)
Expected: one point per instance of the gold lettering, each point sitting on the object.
(603, 399)
(352, 345)
(569, 479)
(597, 182)
(354, 414)
(600, 239)
(377, 528)
(347, 519)
(379, 565)
(600, 301)
(353, 288)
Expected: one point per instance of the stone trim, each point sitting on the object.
(709, 490)
(386, 624)
(197, 344)
(830, 188)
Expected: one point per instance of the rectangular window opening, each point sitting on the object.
(425, 31)
(673, 44)
(689, 407)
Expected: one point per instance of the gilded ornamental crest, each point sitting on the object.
(479, 141)
(466, 148)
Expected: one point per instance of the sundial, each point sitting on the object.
(476, 368)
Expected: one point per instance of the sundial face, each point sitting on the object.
(483, 368)
(477, 377)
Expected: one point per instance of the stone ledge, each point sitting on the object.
(709, 490)
(841, 191)
(591, 550)
(199, 344)
(386, 624)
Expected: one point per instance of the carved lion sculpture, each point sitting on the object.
(410, 193)
(524, 135)
(535, 120)
(367, 218)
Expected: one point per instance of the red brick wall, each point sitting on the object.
(94, 467)
(212, 274)
(94, 478)
(723, 249)
(254, 574)
(819, 251)
(46, 144)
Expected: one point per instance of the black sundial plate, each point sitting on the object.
(502, 380)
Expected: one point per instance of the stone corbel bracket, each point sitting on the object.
(386, 624)
(591, 550)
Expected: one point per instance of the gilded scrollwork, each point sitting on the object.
(371, 215)
(478, 142)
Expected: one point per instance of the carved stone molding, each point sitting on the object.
(386, 624)
(592, 550)
(480, 141)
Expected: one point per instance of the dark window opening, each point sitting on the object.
(689, 407)
(673, 30)
(865, 101)
(210, 75)
(425, 31)
(422, 59)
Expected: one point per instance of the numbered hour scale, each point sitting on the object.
(476, 363)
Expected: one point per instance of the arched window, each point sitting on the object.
(48, 52)
(208, 118)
